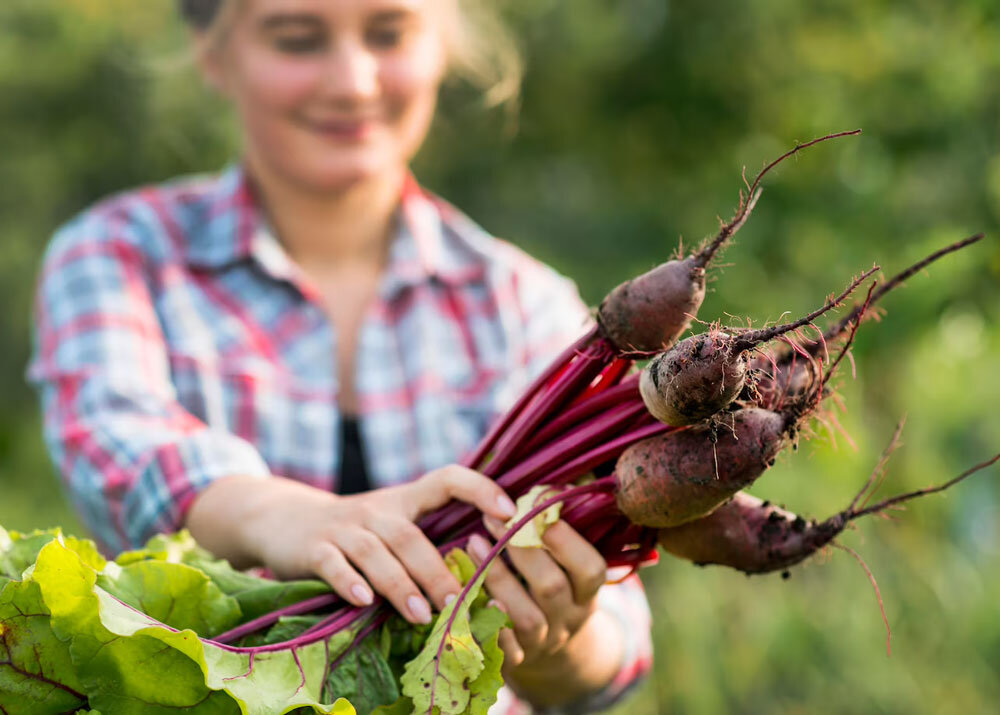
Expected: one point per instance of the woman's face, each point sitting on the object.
(331, 92)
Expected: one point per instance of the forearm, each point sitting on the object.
(587, 663)
(226, 517)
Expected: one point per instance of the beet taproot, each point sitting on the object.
(704, 374)
(679, 476)
(647, 314)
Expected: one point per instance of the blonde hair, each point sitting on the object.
(481, 49)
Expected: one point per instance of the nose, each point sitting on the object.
(351, 72)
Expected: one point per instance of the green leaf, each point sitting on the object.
(486, 625)
(364, 677)
(132, 665)
(255, 595)
(36, 672)
(177, 548)
(19, 551)
(452, 675)
(175, 594)
(530, 535)
(403, 706)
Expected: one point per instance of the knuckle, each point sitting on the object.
(556, 640)
(399, 533)
(594, 579)
(532, 628)
(551, 589)
(362, 513)
(319, 556)
(364, 545)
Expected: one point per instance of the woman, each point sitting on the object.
(200, 344)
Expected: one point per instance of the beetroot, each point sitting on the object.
(703, 374)
(791, 371)
(749, 535)
(754, 536)
(679, 476)
(647, 314)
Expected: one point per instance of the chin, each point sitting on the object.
(341, 175)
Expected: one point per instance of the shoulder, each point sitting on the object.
(152, 223)
(505, 265)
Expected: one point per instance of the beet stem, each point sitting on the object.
(838, 329)
(579, 374)
(705, 255)
(750, 338)
(882, 505)
(501, 425)
(878, 594)
(306, 606)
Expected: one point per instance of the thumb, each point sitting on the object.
(437, 488)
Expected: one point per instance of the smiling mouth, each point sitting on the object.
(344, 129)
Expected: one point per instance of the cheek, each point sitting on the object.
(410, 89)
(269, 89)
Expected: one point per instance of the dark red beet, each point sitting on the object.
(647, 314)
(749, 535)
(790, 372)
(754, 536)
(676, 477)
(703, 374)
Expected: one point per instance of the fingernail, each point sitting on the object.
(362, 594)
(449, 598)
(507, 507)
(479, 548)
(419, 609)
(495, 526)
(496, 604)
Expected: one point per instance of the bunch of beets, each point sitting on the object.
(671, 446)
(631, 458)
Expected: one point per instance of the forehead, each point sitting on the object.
(334, 8)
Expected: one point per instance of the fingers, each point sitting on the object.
(513, 653)
(384, 573)
(330, 565)
(419, 557)
(437, 488)
(582, 563)
(548, 584)
(529, 622)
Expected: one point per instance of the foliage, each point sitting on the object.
(637, 118)
(130, 636)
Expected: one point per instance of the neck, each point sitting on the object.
(327, 230)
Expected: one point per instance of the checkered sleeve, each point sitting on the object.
(133, 459)
(555, 317)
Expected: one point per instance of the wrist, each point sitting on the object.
(586, 664)
(223, 518)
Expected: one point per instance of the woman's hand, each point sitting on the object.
(356, 543)
(558, 638)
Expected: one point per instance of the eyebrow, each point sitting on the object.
(281, 20)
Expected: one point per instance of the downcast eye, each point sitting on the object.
(300, 44)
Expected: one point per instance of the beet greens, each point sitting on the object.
(631, 461)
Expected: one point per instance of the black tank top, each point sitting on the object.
(353, 473)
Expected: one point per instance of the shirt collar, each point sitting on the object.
(433, 240)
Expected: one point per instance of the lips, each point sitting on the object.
(345, 129)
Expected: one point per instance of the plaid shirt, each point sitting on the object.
(177, 342)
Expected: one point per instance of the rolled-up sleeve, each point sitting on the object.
(132, 458)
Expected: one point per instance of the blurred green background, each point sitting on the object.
(637, 119)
